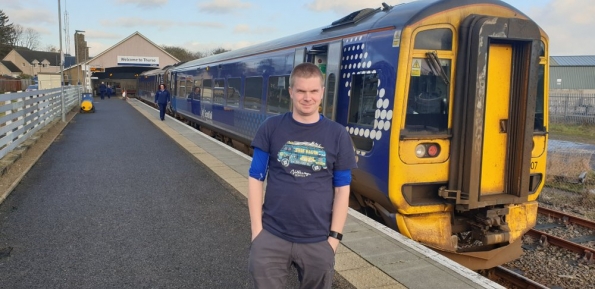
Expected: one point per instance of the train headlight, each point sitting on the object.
(433, 150)
(427, 150)
(420, 150)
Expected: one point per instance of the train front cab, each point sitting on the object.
(470, 162)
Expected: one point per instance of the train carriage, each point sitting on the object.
(444, 101)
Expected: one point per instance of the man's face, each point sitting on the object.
(306, 95)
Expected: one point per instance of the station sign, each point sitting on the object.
(138, 61)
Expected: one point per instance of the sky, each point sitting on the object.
(203, 25)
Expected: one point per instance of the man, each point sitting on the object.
(162, 98)
(309, 160)
(102, 90)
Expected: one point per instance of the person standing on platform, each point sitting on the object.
(102, 90)
(109, 91)
(162, 98)
(308, 160)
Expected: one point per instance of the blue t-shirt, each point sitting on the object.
(299, 195)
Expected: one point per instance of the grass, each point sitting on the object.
(584, 133)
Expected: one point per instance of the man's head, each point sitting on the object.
(306, 88)
(162, 86)
(306, 70)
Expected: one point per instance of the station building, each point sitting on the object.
(119, 65)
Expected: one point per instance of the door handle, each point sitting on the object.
(503, 125)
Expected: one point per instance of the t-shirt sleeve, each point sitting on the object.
(261, 139)
(346, 155)
(258, 167)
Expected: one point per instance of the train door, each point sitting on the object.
(329, 101)
(300, 56)
(328, 58)
(494, 110)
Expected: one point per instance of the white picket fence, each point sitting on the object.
(24, 113)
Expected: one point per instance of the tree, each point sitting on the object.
(180, 53)
(30, 39)
(16, 35)
(219, 50)
(5, 28)
(50, 48)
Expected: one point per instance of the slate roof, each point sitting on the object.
(579, 60)
(10, 66)
(30, 56)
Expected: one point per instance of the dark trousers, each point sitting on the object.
(162, 110)
(102, 92)
(271, 258)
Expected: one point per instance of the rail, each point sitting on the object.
(545, 238)
(515, 278)
(24, 113)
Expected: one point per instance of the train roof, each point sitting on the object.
(354, 23)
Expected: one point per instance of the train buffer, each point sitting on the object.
(124, 200)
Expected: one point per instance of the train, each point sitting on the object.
(444, 101)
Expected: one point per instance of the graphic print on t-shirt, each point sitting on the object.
(309, 154)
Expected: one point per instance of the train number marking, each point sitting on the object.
(533, 165)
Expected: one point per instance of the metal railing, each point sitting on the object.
(572, 108)
(24, 113)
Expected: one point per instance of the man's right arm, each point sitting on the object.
(255, 196)
(257, 172)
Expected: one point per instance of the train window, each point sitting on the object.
(539, 125)
(362, 106)
(182, 86)
(233, 91)
(207, 90)
(278, 94)
(219, 91)
(253, 93)
(330, 96)
(189, 89)
(434, 39)
(427, 104)
(197, 89)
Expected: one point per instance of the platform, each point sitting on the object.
(124, 200)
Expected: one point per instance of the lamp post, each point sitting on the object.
(87, 70)
(61, 63)
(78, 59)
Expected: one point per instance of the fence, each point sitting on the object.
(572, 108)
(24, 113)
(13, 85)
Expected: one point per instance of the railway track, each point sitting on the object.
(558, 253)
(573, 244)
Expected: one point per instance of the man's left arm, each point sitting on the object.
(340, 207)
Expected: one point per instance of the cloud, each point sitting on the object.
(31, 16)
(246, 29)
(160, 24)
(568, 24)
(341, 6)
(96, 48)
(223, 6)
(101, 34)
(145, 3)
(206, 47)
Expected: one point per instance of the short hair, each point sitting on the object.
(306, 70)
(161, 85)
